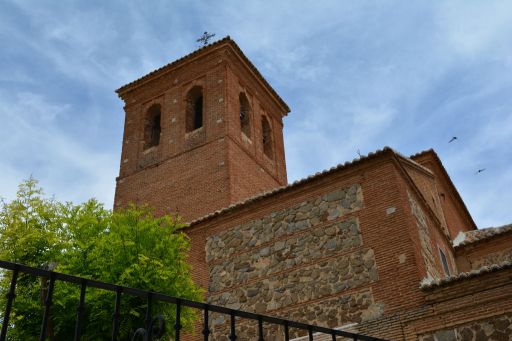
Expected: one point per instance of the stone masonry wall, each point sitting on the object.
(306, 262)
(321, 241)
(356, 307)
(303, 284)
(243, 238)
(496, 328)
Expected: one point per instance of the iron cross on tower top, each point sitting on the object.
(205, 37)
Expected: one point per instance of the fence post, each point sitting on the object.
(10, 297)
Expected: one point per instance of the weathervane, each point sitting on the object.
(205, 37)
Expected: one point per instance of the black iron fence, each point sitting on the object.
(153, 326)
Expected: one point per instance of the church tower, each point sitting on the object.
(200, 134)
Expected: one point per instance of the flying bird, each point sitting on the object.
(480, 171)
(453, 139)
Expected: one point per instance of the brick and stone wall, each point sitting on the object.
(306, 262)
(352, 308)
(496, 328)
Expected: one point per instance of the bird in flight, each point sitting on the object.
(453, 139)
(480, 171)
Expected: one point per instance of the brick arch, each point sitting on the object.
(245, 114)
(152, 126)
(194, 108)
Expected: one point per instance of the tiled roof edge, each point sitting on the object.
(465, 275)
(226, 39)
(483, 234)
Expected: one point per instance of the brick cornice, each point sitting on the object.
(225, 43)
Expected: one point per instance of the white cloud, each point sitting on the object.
(40, 148)
(473, 29)
(356, 75)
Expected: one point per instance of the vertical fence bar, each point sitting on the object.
(116, 317)
(149, 309)
(286, 332)
(310, 333)
(10, 297)
(260, 329)
(80, 311)
(47, 306)
(333, 335)
(177, 326)
(232, 336)
(206, 329)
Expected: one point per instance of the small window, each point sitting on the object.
(152, 127)
(266, 137)
(445, 263)
(245, 115)
(194, 110)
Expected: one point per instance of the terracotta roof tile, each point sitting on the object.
(465, 275)
(474, 236)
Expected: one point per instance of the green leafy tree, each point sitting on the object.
(128, 247)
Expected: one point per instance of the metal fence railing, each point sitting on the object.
(153, 326)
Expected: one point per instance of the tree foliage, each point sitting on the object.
(129, 247)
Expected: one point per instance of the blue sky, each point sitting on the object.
(358, 75)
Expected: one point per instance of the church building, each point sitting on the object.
(382, 245)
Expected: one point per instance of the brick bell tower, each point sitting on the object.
(200, 134)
